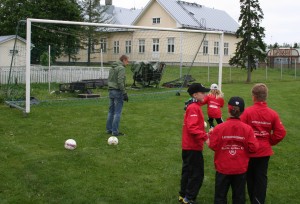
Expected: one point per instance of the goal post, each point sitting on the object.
(137, 38)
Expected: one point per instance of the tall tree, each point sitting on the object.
(43, 35)
(251, 48)
(94, 12)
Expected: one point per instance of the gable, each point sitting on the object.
(154, 10)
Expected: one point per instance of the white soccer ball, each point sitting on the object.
(205, 124)
(70, 144)
(112, 140)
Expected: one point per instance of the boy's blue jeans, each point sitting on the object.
(115, 111)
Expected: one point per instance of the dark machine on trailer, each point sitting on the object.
(147, 73)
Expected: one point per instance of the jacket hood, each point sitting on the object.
(118, 63)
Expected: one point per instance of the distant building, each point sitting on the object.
(7, 51)
(163, 14)
(283, 56)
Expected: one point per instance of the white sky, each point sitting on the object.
(281, 18)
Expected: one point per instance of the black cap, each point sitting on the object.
(197, 87)
(237, 101)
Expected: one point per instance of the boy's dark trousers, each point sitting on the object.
(257, 179)
(237, 182)
(192, 173)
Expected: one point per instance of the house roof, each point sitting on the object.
(126, 16)
(122, 16)
(195, 16)
(6, 38)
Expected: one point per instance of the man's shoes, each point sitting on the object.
(180, 199)
(187, 201)
(108, 132)
(118, 134)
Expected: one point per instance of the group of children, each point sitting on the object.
(242, 144)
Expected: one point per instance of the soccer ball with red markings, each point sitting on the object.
(70, 144)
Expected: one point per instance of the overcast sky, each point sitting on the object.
(281, 18)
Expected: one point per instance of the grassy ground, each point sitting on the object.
(145, 166)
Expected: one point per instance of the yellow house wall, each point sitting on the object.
(186, 47)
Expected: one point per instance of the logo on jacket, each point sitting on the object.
(232, 151)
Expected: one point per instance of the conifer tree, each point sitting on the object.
(251, 48)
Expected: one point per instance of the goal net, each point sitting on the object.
(182, 52)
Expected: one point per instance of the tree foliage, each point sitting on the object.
(43, 35)
(251, 48)
(93, 12)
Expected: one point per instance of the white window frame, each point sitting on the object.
(171, 45)
(226, 48)
(128, 46)
(103, 45)
(142, 45)
(216, 48)
(155, 45)
(205, 47)
(116, 47)
(156, 20)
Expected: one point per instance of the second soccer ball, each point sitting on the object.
(112, 140)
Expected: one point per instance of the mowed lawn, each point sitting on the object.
(145, 167)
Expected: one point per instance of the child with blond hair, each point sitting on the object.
(215, 102)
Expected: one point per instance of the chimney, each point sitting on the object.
(108, 2)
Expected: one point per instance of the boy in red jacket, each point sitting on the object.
(232, 142)
(193, 137)
(269, 131)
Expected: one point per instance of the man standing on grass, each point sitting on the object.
(193, 137)
(269, 131)
(117, 94)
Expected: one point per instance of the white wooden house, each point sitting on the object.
(10, 46)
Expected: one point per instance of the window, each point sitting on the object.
(156, 20)
(141, 46)
(128, 46)
(116, 47)
(226, 48)
(171, 46)
(103, 45)
(155, 45)
(92, 46)
(216, 48)
(205, 47)
(12, 51)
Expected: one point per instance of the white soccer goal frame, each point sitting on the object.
(28, 44)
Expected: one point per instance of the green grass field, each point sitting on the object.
(145, 167)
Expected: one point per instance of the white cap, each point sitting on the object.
(214, 87)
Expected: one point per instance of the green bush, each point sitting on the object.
(44, 59)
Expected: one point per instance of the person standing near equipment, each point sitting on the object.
(117, 94)
(232, 141)
(193, 137)
(269, 131)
